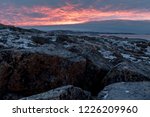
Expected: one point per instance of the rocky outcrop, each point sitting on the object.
(127, 72)
(32, 61)
(62, 93)
(126, 91)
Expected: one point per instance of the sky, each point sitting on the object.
(56, 12)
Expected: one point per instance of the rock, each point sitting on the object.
(126, 91)
(32, 61)
(128, 72)
(96, 66)
(30, 72)
(5, 72)
(36, 71)
(11, 96)
(62, 93)
(40, 40)
(64, 38)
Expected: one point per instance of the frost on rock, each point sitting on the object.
(54, 38)
(107, 54)
(127, 56)
(20, 43)
(147, 51)
(82, 59)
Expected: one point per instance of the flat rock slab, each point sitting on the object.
(68, 92)
(126, 91)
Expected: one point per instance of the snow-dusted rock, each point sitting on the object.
(62, 93)
(33, 61)
(126, 91)
(127, 72)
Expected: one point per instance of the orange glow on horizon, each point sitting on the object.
(69, 14)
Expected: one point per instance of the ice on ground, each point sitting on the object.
(129, 57)
(20, 43)
(127, 91)
(107, 54)
(54, 38)
(147, 51)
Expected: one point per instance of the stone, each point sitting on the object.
(31, 72)
(127, 72)
(126, 91)
(68, 92)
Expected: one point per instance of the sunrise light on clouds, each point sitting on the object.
(69, 13)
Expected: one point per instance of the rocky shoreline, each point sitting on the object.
(61, 65)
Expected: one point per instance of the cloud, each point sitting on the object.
(46, 12)
(98, 4)
(109, 5)
(36, 15)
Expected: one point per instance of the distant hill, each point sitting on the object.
(19, 29)
(108, 26)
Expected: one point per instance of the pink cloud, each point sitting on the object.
(69, 14)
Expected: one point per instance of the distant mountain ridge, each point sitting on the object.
(108, 26)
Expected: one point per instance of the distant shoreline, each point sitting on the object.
(119, 34)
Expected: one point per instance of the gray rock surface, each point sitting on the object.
(128, 72)
(126, 91)
(62, 93)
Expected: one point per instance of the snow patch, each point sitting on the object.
(147, 51)
(127, 91)
(54, 38)
(107, 54)
(127, 56)
(20, 43)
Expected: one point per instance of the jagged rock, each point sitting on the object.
(128, 72)
(62, 93)
(126, 91)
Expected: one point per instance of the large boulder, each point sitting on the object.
(29, 72)
(128, 72)
(62, 93)
(32, 71)
(126, 91)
